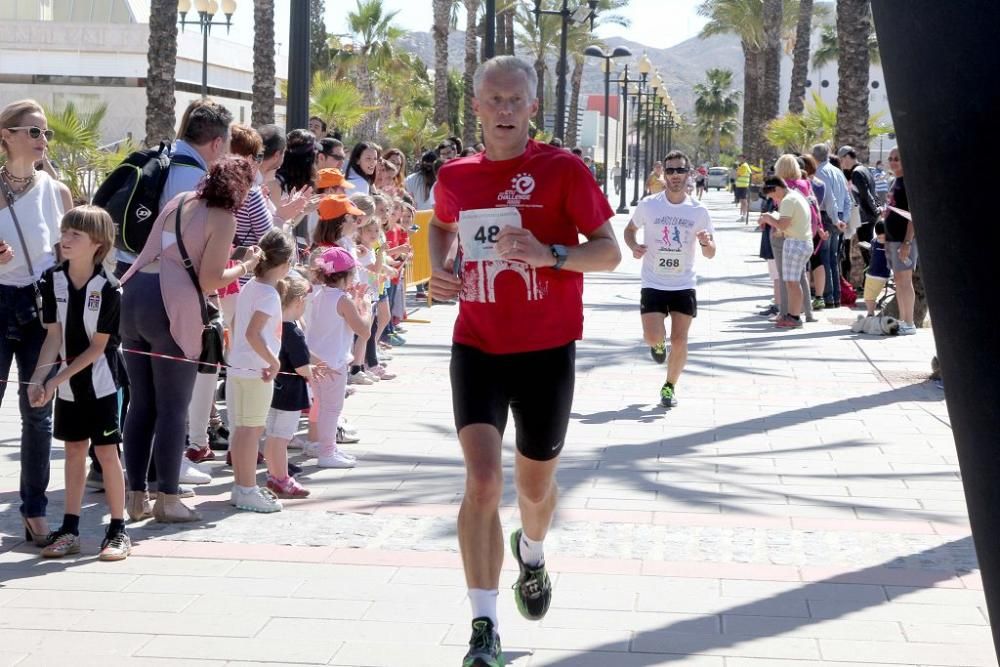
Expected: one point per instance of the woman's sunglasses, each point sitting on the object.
(35, 132)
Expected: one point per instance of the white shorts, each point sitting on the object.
(282, 423)
(772, 270)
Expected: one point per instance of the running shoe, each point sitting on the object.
(345, 437)
(659, 352)
(396, 340)
(532, 590)
(770, 310)
(334, 458)
(906, 329)
(484, 646)
(788, 322)
(255, 500)
(286, 488)
(63, 545)
(359, 378)
(818, 304)
(667, 397)
(198, 454)
(116, 547)
(192, 474)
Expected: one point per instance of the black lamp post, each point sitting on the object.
(598, 52)
(624, 84)
(298, 66)
(490, 38)
(638, 90)
(649, 135)
(581, 14)
(207, 9)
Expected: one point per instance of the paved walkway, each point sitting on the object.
(802, 507)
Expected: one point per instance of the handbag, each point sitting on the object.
(36, 291)
(212, 333)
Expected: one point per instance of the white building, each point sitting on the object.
(93, 51)
(592, 129)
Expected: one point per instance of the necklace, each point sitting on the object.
(17, 179)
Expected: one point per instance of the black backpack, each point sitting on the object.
(131, 193)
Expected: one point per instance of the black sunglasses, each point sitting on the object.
(675, 170)
(35, 132)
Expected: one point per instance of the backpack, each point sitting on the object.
(131, 193)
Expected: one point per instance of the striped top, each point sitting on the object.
(253, 220)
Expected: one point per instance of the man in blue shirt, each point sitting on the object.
(839, 209)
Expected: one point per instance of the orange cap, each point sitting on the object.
(332, 178)
(333, 206)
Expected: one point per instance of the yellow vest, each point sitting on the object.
(743, 176)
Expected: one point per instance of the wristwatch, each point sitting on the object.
(559, 252)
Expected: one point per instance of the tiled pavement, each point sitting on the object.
(801, 507)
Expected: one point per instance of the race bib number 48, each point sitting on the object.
(669, 262)
(478, 230)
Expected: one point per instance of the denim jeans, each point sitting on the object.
(831, 264)
(22, 343)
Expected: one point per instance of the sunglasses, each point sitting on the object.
(675, 170)
(893, 159)
(35, 132)
(335, 156)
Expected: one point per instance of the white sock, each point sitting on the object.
(244, 489)
(531, 551)
(484, 603)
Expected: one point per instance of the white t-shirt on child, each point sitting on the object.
(254, 297)
(327, 333)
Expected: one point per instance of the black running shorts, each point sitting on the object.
(97, 421)
(683, 301)
(537, 387)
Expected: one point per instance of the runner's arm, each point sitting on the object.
(638, 249)
(442, 240)
(600, 252)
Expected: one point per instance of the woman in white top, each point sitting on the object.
(32, 204)
(361, 167)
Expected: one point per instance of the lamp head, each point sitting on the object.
(621, 52)
(595, 51)
(183, 7)
(201, 6)
(228, 7)
(645, 65)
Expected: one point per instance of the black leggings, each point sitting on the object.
(371, 350)
(161, 388)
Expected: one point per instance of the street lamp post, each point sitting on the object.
(650, 148)
(490, 38)
(297, 115)
(624, 83)
(579, 15)
(207, 9)
(598, 52)
(644, 68)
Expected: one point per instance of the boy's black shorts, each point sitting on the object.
(97, 421)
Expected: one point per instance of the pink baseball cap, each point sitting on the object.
(335, 260)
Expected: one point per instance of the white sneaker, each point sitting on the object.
(906, 329)
(346, 425)
(298, 442)
(192, 474)
(359, 378)
(255, 500)
(334, 458)
(371, 376)
(311, 449)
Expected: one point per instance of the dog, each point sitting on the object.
(876, 325)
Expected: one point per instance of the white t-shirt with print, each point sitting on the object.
(254, 297)
(670, 235)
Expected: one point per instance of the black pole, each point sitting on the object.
(560, 124)
(638, 144)
(298, 66)
(647, 163)
(956, 275)
(670, 135)
(657, 131)
(205, 22)
(490, 47)
(607, 104)
(622, 208)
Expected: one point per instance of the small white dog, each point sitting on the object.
(876, 325)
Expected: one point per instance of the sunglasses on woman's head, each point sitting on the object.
(35, 132)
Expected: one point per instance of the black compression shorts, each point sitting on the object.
(537, 387)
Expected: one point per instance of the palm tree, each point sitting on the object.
(414, 131)
(442, 25)
(74, 146)
(262, 106)
(827, 50)
(374, 34)
(471, 62)
(337, 101)
(162, 56)
(800, 59)
(716, 105)
(773, 15)
(795, 133)
(540, 39)
(853, 62)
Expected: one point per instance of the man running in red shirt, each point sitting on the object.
(518, 210)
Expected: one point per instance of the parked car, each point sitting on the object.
(718, 178)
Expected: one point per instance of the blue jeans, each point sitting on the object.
(21, 342)
(831, 264)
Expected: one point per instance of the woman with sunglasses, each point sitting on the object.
(32, 204)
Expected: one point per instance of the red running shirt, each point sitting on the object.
(508, 307)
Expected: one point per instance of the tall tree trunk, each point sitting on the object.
(540, 93)
(508, 28)
(572, 124)
(442, 19)
(471, 61)
(162, 56)
(262, 106)
(853, 28)
(800, 58)
(751, 98)
(770, 91)
(716, 142)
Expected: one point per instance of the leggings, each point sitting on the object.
(777, 244)
(371, 350)
(328, 405)
(161, 388)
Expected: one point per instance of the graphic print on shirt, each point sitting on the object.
(670, 259)
(480, 270)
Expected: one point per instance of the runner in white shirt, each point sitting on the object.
(672, 224)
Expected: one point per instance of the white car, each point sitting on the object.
(718, 178)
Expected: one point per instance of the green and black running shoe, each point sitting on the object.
(532, 590)
(659, 352)
(484, 647)
(667, 398)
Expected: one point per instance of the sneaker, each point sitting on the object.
(484, 646)
(95, 480)
(532, 590)
(382, 374)
(311, 449)
(334, 458)
(346, 438)
(293, 469)
(199, 454)
(116, 547)
(349, 391)
(298, 442)
(371, 376)
(818, 304)
(398, 329)
(63, 545)
(286, 488)
(255, 500)
(396, 340)
(906, 329)
(192, 474)
(659, 352)
(667, 397)
(829, 303)
(359, 378)
(770, 310)
(346, 425)
(218, 437)
(788, 322)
